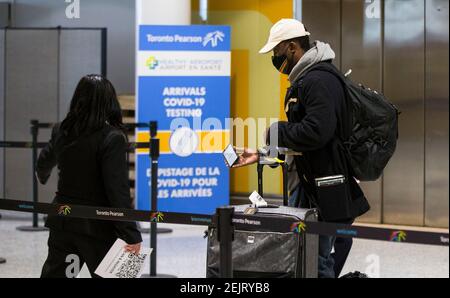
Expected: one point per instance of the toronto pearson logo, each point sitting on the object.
(398, 236)
(64, 210)
(156, 217)
(298, 227)
(213, 38)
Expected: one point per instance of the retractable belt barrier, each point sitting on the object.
(38, 125)
(239, 221)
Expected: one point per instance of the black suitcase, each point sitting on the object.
(268, 254)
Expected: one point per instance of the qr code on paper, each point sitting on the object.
(131, 267)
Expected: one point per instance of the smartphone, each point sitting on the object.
(231, 157)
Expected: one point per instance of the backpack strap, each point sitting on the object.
(330, 68)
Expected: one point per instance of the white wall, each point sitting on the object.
(163, 12)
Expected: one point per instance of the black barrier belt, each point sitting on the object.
(281, 224)
(105, 213)
(29, 145)
(371, 233)
(240, 221)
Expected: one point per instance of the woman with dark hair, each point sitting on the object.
(89, 149)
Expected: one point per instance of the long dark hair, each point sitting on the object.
(94, 105)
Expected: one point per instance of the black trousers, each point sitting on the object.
(63, 246)
(342, 247)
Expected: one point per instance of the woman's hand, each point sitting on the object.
(133, 248)
(247, 158)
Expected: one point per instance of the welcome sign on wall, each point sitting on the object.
(183, 82)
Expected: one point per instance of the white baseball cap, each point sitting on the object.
(284, 29)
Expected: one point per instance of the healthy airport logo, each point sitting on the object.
(64, 210)
(298, 227)
(152, 63)
(398, 236)
(156, 217)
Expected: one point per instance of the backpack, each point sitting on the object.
(372, 141)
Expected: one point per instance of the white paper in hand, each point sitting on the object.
(121, 264)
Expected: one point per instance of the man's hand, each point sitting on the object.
(133, 248)
(247, 158)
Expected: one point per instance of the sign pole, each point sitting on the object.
(154, 156)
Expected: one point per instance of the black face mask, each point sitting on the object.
(281, 63)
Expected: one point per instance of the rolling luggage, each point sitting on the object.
(261, 253)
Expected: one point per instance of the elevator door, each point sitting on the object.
(362, 53)
(2, 108)
(436, 113)
(400, 48)
(322, 18)
(404, 80)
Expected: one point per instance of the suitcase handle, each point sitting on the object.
(284, 168)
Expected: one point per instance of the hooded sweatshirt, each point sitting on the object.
(319, 52)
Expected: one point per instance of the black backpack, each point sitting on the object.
(373, 139)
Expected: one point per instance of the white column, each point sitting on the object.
(163, 12)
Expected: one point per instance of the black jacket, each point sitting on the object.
(316, 125)
(92, 170)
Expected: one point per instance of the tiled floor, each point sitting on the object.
(183, 253)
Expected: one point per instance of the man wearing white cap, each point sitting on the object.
(318, 116)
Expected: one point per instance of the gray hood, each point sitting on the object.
(319, 52)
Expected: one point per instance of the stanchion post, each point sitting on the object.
(141, 229)
(225, 236)
(154, 156)
(284, 167)
(34, 135)
(260, 169)
(34, 156)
